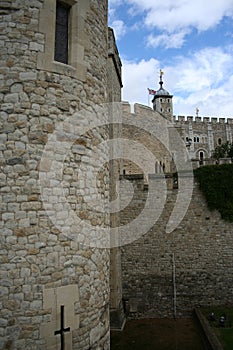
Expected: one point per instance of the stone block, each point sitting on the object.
(28, 76)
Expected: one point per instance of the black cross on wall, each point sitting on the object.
(62, 329)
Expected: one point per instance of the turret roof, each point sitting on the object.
(162, 91)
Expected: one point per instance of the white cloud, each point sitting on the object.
(203, 80)
(172, 15)
(119, 28)
(112, 6)
(203, 69)
(167, 41)
(137, 77)
(173, 19)
(115, 2)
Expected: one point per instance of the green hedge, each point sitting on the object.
(216, 182)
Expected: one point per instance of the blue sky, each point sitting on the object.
(191, 41)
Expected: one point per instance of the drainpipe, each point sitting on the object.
(174, 284)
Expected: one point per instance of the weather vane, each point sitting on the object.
(161, 72)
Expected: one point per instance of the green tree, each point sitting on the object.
(216, 182)
(223, 151)
(230, 153)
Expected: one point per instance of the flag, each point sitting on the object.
(151, 92)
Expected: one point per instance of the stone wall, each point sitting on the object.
(114, 98)
(42, 266)
(114, 69)
(161, 160)
(200, 137)
(205, 133)
(197, 255)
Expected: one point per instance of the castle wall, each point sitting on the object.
(200, 135)
(43, 267)
(117, 317)
(199, 251)
(114, 69)
(161, 157)
(205, 134)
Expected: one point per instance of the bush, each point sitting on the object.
(216, 183)
(223, 151)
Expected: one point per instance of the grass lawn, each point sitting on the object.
(225, 334)
(158, 334)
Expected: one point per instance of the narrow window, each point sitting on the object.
(62, 32)
(201, 158)
(219, 141)
(198, 140)
(160, 168)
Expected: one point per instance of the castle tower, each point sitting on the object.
(162, 101)
(53, 73)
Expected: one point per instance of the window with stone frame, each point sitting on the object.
(61, 50)
(63, 24)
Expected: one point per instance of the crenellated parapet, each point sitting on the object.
(141, 109)
(205, 120)
(201, 135)
(136, 108)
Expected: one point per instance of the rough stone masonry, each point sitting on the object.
(42, 267)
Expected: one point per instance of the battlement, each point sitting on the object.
(136, 108)
(205, 120)
(143, 109)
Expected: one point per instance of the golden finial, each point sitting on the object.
(161, 78)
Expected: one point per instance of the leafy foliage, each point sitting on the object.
(216, 182)
(224, 151)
